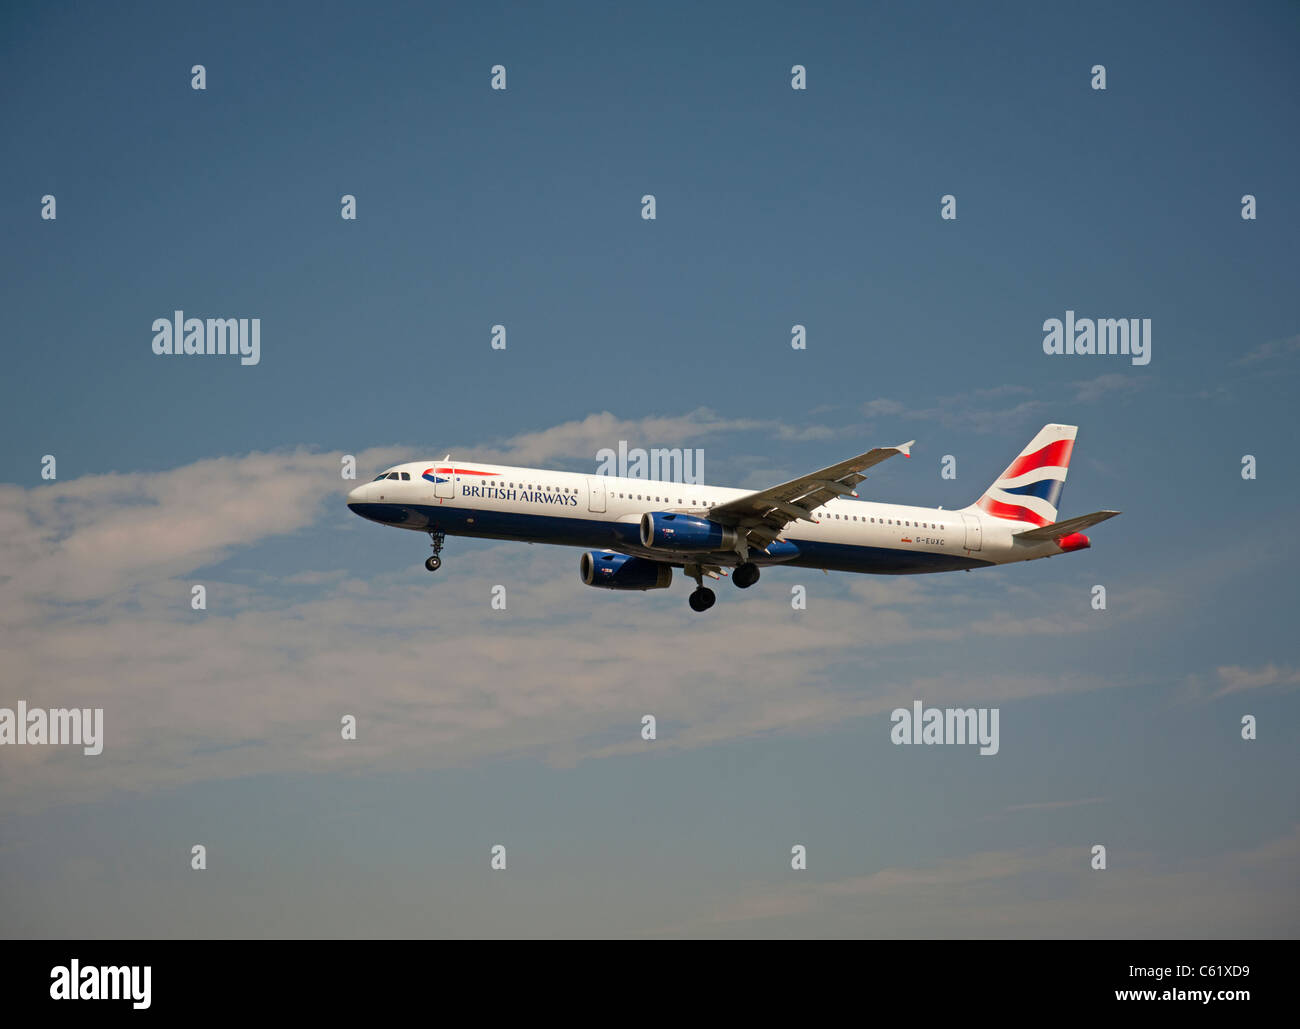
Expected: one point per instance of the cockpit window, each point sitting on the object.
(381, 475)
(393, 475)
(406, 476)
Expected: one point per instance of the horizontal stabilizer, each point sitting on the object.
(1058, 529)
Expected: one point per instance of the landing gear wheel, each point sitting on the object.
(702, 599)
(745, 575)
(435, 562)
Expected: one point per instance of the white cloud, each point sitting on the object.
(94, 601)
(84, 539)
(1087, 391)
(1235, 679)
(1271, 351)
(580, 440)
(881, 407)
(994, 409)
(1036, 894)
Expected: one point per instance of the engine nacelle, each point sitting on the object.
(609, 571)
(685, 532)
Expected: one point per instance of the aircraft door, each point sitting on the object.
(596, 494)
(974, 532)
(443, 482)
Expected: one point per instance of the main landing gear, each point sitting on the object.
(745, 575)
(435, 562)
(703, 598)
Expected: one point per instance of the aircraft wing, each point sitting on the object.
(1056, 530)
(764, 514)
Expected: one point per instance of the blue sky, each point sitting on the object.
(522, 207)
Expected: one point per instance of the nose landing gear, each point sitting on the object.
(435, 562)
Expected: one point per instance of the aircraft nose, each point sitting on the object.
(354, 496)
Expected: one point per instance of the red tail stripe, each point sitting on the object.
(1013, 511)
(1053, 454)
(462, 471)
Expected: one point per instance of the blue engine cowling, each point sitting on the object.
(685, 532)
(609, 571)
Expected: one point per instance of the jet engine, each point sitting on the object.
(683, 532)
(607, 570)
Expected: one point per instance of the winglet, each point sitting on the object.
(905, 448)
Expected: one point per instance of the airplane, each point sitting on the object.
(639, 530)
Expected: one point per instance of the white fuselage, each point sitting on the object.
(536, 505)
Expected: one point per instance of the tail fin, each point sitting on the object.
(1030, 489)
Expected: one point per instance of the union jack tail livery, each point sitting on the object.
(1030, 489)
